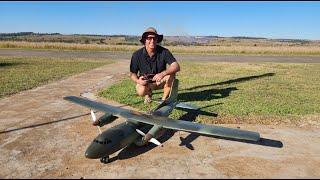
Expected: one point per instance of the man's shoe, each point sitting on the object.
(147, 99)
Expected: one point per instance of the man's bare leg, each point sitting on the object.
(167, 87)
(144, 91)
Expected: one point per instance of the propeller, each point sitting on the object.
(153, 140)
(94, 118)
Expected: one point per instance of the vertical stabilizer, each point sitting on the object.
(173, 96)
(165, 107)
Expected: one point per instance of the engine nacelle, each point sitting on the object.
(106, 119)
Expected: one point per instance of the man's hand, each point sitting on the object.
(158, 77)
(173, 68)
(141, 81)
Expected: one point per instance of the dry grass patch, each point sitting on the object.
(203, 50)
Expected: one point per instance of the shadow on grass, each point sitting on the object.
(206, 95)
(199, 111)
(213, 93)
(43, 124)
(4, 64)
(237, 80)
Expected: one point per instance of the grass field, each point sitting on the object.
(22, 73)
(257, 93)
(276, 50)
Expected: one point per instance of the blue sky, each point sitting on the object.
(296, 20)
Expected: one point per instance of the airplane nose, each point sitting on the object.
(92, 154)
(89, 155)
(95, 151)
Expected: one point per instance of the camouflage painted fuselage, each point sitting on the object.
(124, 134)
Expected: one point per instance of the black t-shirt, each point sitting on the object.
(144, 64)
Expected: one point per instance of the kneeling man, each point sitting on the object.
(148, 66)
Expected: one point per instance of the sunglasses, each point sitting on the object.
(149, 38)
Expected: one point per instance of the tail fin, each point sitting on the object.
(173, 96)
(184, 106)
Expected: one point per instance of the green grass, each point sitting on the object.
(22, 73)
(263, 93)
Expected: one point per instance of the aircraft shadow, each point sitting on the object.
(213, 93)
(237, 80)
(43, 124)
(263, 141)
(205, 95)
(4, 64)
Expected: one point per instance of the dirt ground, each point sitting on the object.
(44, 136)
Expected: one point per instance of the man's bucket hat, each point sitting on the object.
(151, 30)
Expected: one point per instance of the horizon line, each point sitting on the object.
(239, 36)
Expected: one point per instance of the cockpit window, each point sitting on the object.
(106, 141)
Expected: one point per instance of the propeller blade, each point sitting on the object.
(140, 132)
(153, 140)
(94, 118)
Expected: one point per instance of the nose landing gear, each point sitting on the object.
(105, 159)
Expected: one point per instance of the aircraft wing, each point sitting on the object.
(166, 122)
(188, 126)
(116, 111)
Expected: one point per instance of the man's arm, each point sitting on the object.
(173, 68)
(134, 70)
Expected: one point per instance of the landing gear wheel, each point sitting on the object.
(104, 160)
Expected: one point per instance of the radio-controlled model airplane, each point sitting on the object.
(141, 128)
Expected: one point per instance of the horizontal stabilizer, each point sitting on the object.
(186, 106)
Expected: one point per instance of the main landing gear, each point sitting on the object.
(105, 160)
